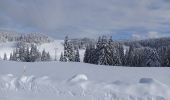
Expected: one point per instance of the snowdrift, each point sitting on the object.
(146, 89)
(79, 81)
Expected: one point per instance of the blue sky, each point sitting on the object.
(87, 18)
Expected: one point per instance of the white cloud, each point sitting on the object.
(136, 36)
(152, 34)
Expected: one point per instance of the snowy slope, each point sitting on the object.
(50, 47)
(79, 81)
(58, 46)
(6, 48)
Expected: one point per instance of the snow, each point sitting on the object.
(80, 81)
(52, 46)
(58, 46)
(79, 77)
(7, 48)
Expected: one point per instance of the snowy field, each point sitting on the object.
(79, 81)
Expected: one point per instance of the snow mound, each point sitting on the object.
(10, 82)
(27, 79)
(147, 80)
(119, 83)
(151, 81)
(78, 78)
(79, 86)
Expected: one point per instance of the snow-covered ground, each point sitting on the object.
(80, 81)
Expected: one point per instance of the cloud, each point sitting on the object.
(85, 17)
(139, 36)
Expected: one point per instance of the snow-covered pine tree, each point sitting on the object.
(71, 53)
(27, 55)
(130, 56)
(5, 56)
(11, 56)
(110, 40)
(66, 45)
(98, 50)
(35, 55)
(105, 53)
(105, 57)
(153, 59)
(43, 55)
(61, 57)
(121, 54)
(48, 57)
(162, 52)
(16, 55)
(145, 57)
(77, 56)
(86, 54)
(149, 57)
(166, 58)
(99, 42)
(91, 55)
(108, 54)
(22, 53)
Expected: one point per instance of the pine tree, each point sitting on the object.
(110, 40)
(48, 57)
(86, 55)
(162, 52)
(145, 57)
(35, 55)
(71, 53)
(106, 56)
(66, 45)
(62, 57)
(90, 55)
(166, 59)
(77, 56)
(22, 53)
(5, 56)
(108, 53)
(43, 55)
(17, 54)
(130, 56)
(98, 50)
(11, 56)
(27, 55)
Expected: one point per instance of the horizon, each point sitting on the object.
(120, 37)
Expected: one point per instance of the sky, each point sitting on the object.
(122, 19)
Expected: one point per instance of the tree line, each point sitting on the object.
(28, 54)
(37, 38)
(144, 53)
(105, 51)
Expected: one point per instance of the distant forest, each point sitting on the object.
(103, 51)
